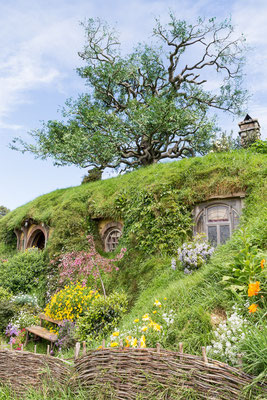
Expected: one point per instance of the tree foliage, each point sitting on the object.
(151, 104)
(3, 211)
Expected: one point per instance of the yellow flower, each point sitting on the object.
(136, 320)
(115, 333)
(253, 308)
(99, 348)
(134, 342)
(143, 341)
(145, 317)
(114, 344)
(157, 303)
(144, 328)
(154, 312)
(262, 263)
(165, 298)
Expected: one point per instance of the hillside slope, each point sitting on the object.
(155, 204)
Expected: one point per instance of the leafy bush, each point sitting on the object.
(70, 302)
(24, 318)
(7, 312)
(25, 299)
(24, 272)
(154, 221)
(4, 294)
(103, 315)
(246, 267)
(194, 254)
(260, 146)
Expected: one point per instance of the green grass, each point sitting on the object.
(146, 275)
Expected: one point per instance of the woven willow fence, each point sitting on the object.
(151, 372)
(22, 369)
(127, 374)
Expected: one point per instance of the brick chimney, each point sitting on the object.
(249, 131)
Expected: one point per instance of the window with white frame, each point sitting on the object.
(217, 221)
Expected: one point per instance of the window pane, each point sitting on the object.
(218, 214)
(212, 235)
(200, 224)
(224, 233)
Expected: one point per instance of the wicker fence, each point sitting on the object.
(157, 373)
(128, 373)
(22, 370)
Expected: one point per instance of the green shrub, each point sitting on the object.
(4, 294)
(103, 316)
(7, 312)
(25, 272)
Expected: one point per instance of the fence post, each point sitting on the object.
(121, 344)
(103, 343)
(22, 347)
(158, 347)
(35, 347)
(77, 350)
(204, 354)
(48, 349)
(84, 348)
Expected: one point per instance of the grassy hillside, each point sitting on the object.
(155, 204)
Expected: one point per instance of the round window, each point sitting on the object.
(112, 239)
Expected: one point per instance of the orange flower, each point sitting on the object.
(262, 263)
(253, 289)
(253, 308)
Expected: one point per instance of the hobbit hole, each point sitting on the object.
(217, 219)
(32, 234)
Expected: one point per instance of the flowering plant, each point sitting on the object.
(16, 336)
(65, 333)
(70, 302)
(227, 337)
(194, 254)
(79, 266)
(23, 319)
(147, 330)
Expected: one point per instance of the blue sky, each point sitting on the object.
(39, 41)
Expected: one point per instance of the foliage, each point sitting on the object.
(24, 318)
(70, 302)
(260, 146)
(154, 221)
(149, 105)
(24, 272)
(227, 336)
(3, 211)
(103, 315)
(4, 294)
(25, 299)
(66, 335)
(79, 266)
(194, 254)
(246, 266)
(253, 348)
(224, 143)
(7, 311)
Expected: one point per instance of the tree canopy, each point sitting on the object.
(3, 211)
(151, 104)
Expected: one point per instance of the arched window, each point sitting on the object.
(112, 237)
(217, 222)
